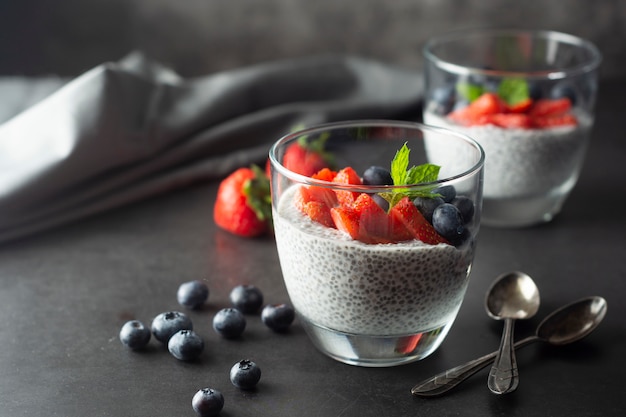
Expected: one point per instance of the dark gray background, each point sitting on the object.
(67, 37)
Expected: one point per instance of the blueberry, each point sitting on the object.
(278, 317)
(427, 206)
(376, 175)
(166, 324)
(382, 203)
(245, 374)
(448, 222)
(192, 294)
(246, 298)
(534, 90)
(444, 98)
(447, 192)
(564, 89)
(465, 206)
(134, 334)
(229, 322)
(207, 402)
(185, 345)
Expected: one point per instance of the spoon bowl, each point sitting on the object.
(512, 296)
(568, 324)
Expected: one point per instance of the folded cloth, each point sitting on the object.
(125, 131)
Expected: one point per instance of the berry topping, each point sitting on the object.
(448, 222)
(376, 175)
(306, 157)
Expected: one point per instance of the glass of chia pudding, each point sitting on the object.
(375, 237)
(528, 98)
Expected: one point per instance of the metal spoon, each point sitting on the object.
(512, 296)
(565, 325)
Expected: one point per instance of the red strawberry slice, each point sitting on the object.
(549, 121)
(544, 107)
(319, 212)
(347, 176)
(406, 213)
(325, 174)
(374, 223)
(488, 103)
(346, 219)
(506, 120)
(521, 106)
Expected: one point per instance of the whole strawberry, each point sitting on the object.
(306, 157)
(243, 203)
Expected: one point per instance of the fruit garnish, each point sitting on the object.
(511, 106)
(403, 175)
(406, 212)
(243, 203)
(513, 91)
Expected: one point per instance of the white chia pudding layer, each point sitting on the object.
(382, 289)
(526, 162)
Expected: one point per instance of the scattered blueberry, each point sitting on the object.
(448, 222)
(192, 294)
(465, 206)
(246, 298)
(134, 334)
(207, 402)
(534, 90)
(229, 322)
(376, 175)
(427, 206)
(447, 192)
(166, 324)
(278, 317)
(245, 374)
(185, 345)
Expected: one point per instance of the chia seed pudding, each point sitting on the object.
(380, 289)
(526, 162)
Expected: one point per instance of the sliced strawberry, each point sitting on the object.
(549, 121)
(545, 107)
(319, 212)
(325, 174)
(487, 103)
(406, 213)
(521, 106)
(346, 219)
(374, 223)
(347, 176)
(506, 120)
(303, 159)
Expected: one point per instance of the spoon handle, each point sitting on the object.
(443, 382)
(504, 377)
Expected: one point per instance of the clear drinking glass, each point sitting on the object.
(376, 301)
(536, 142)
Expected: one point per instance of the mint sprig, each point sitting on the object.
(513, 90)
(403, 175)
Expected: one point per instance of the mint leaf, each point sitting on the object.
(513, 90)
(402, 175)
(468, 91)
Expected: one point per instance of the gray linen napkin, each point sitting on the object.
(125, 131)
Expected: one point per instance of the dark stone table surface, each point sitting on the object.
(64, 295)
